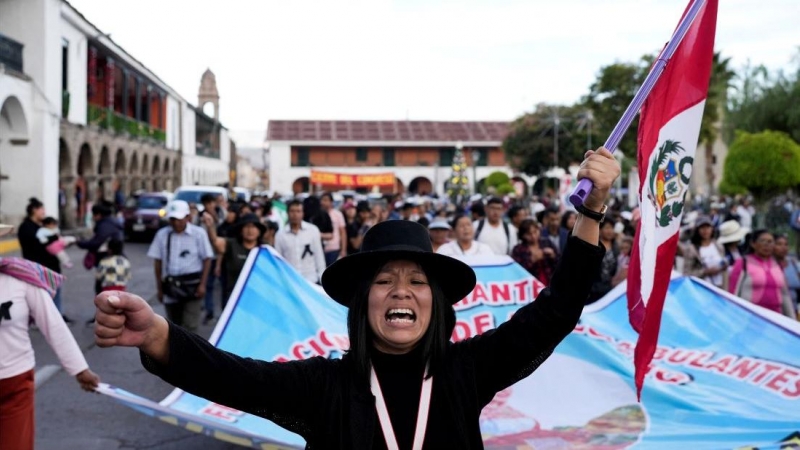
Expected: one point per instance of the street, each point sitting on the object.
(69, 418)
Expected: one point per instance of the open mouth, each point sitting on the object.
(400, 316)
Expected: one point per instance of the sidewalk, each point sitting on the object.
(9, 245)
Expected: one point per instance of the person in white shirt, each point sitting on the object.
(464, 242)
(300, 243)
(26, 296)
(500, 236)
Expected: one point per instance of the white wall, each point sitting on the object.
(188, 135)
(173, 123)
(77, 71)
(224, 146)
(14, 162)
(36, 24)
(202, 170)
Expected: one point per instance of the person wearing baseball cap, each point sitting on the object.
(439, 230)
(182, 255)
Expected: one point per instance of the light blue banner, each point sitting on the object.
(726, 374)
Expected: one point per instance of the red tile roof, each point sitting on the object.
(400, 130)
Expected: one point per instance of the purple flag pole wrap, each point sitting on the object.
(584, 187)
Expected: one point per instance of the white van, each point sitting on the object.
(192, 194)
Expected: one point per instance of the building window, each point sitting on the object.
(361, 154)
(446, 156)
(388, 157)
(713, 160)
(302, 156)
(483, 159)
(64, 64)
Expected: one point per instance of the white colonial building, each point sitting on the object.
(82, 118)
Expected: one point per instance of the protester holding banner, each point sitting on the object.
(400, 296)
(759, 279)
(26, 297)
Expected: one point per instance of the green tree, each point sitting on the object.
(530, 145)
(763, 101)
(710, 127)
(765, 164)
(611, 93)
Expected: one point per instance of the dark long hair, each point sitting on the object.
(434, 341)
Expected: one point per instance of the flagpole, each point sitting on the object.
(584, 187)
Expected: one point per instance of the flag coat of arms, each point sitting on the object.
(669, 128)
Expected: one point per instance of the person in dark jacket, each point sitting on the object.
(105, 229)
(33, 249)
(402, 381)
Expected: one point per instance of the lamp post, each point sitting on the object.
(476, 155)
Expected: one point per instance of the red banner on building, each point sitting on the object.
(352, 180)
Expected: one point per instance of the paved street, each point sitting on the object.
(69, 418)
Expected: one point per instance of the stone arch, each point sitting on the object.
(13, 123)
(420, 186)
(300, 185)
(145, 165)
(64, 160)
(104, 163)
(120, 163)
(14, 138)
(134, 174)
(86, 178)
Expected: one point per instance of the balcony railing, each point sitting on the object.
(10, 53)
(205, 149)
(119, 123)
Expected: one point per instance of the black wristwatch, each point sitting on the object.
(599, 217)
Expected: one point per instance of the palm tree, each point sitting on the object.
(710, 127)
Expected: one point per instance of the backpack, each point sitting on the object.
(482, 222)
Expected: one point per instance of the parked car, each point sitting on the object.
(192, 194)
(145, 214)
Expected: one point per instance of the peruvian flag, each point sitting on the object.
(669, 129)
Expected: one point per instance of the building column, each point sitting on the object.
(124, 93)
(67, 213)
(138, 93)
(110, 80)
(147, 106)
(161, 106)
(91, 80)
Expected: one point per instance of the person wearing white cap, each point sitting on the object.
(439, 229)
(182, 255)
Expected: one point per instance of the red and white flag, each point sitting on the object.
(669, 128)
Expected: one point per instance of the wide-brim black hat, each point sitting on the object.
(397, 240)
(246, 219)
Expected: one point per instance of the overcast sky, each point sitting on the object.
(415, 59)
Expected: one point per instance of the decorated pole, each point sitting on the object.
(584, 187)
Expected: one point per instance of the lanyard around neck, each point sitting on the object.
(383, 413)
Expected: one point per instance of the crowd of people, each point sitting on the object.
(718, 242)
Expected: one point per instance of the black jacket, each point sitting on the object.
(320, 399)
(105, 229)
(32, 249)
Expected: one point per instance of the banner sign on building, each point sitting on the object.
(352, 180)
(726, 374)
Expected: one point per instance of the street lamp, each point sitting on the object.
(476, 155)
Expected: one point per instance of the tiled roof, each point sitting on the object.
(401, 130)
